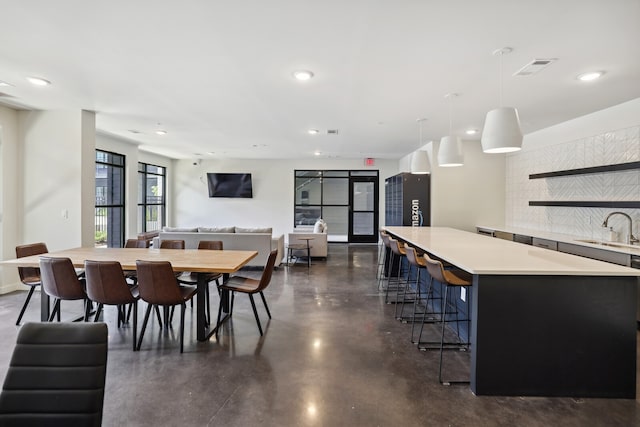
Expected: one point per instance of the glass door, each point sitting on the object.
(363, 209)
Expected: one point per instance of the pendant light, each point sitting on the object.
(420, 159)
(501, 132)
(450, 151)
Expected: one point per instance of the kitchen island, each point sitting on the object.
(543, 323)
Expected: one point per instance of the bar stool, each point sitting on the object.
(413, 260)
(382, 255)
(420, 264)
(397, 251)
(449, 279)
(387, 256)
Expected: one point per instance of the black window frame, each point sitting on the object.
(111, 241)
(143, 199)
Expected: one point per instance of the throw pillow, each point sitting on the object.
(217, 229)
(320, 226)
(266, 230)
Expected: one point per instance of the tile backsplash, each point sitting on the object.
(618, 146)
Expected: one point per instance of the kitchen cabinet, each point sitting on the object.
(595, 253)
(545, 243)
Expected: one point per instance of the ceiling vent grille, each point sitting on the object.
(534, 67)
(332, 132)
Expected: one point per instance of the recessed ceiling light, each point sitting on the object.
(303, 75)
(211, 153)
(5, 84)
(313, 131)
(471, 131)
(38, 81)
(316, 153)
(161, 132)
(587, 77)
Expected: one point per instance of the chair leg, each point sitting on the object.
(88, 305)
(144, 325)
(265, 304)
(56, 310)
(98, 311)
(135, 322)
(159, 317)
(26, 303)
(255, 313)
(182, 309)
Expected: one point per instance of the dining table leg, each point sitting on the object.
(45, 310)
(224, 300)
(201, 323)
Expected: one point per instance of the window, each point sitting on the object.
(152, 189)
(327, 194)
(109, 206)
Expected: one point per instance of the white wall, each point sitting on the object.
(57, 153)
(9, 233)
(469, 195)
(273, 191)
(606, 137)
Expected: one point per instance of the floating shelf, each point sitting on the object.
(589, 204)
(583, 171)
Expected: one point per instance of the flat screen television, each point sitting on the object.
(230, 185)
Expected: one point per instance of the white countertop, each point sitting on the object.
(566, 238)
(480, 254)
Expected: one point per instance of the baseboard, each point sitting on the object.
(10, 287)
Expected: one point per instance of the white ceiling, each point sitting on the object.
(217, 75)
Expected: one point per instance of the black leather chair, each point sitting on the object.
(56, 376)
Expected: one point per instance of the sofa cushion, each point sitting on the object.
(320, 226)
(266, 230)
(180, 229)
(217, 229)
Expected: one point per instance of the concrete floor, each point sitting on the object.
(333, 355)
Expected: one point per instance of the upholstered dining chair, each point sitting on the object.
(60, 281)
(158, 287)
(56, 376)
(106, 284)
(189, 278)
(137, 243)
(250, 287)
(29, 276)
(172, 244)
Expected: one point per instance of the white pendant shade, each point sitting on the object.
(450, 152)
(420, 162)
(501, 133)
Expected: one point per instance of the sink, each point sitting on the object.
(603, 243)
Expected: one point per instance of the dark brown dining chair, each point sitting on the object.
(137, 243)
(250, 286)
(172, 244)
(158, 287)
(106, 284)
(134, 244)
(30, 276)
(56, 376)
(60, 281)
(189, 278)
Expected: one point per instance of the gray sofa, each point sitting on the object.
(235, 238)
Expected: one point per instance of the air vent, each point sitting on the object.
(534, 67)
(332, 132)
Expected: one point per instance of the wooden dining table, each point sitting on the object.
(202, 262)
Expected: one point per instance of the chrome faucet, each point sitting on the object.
(631, 239)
